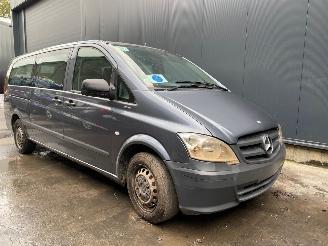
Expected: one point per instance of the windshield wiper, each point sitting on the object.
(196, 84)
(188, 82)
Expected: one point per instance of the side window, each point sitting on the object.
(51, 69)
(90, 63)
(123, 92)
(22, 71)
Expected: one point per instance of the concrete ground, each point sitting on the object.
(48, 200)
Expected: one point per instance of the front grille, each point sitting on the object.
(253, 149)
(252, 190)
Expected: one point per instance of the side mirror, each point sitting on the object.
(95, 88)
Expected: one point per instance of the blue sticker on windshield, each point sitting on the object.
(158, 79)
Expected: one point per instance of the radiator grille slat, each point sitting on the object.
(252, 147)
(253, 151)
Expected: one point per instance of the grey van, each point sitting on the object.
(150, 120)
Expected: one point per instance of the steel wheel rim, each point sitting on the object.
(145, 189)
(19, 136)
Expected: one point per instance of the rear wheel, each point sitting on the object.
(23, 144)
(151, 188)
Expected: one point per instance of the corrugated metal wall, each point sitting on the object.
(313, 115)
(6, 49)
(272, 52)
(51, 22)
(224, 40)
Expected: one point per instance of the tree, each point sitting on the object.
(4, 8)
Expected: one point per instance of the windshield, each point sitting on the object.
(159, 69)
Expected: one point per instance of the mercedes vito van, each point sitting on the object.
(152, 121)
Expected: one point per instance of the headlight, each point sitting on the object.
(206, 148)
(280, 134)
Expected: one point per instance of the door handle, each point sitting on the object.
(70, 103)
(56, 100)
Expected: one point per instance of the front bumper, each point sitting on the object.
(201, 191)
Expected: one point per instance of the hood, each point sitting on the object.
(224, 114)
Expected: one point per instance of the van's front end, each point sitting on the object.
(223, 175)
(239, 159)
(222, 150)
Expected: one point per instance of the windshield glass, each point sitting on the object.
(159, 69)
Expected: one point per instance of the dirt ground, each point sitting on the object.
(48, 200)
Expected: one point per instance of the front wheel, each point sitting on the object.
(151, 188)
(23, 144)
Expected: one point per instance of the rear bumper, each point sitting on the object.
(201, 192)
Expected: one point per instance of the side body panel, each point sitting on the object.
(47, 117)
(87, 127)
(157, 120)
(17, 103)
(87, 131)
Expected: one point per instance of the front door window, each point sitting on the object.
(90, 63)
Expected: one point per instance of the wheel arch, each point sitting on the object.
(136, 144)
(14, 118)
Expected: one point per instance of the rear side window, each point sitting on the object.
(51, 69)
(22, 72)
(90, 63)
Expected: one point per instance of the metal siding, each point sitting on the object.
(313, 116)
(46, 27)
(6, 45)
(274, 58)
(91, 21)
(130, 21)
(186, 28)
(154, 23)
(7, 50)
(224, 41)
(109, 19)
(19, 32)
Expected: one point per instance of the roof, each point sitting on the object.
(18, 4)
(60, 46)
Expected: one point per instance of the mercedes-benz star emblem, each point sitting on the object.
(267, 144)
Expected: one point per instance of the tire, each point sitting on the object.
(23, 144)
(151, 189)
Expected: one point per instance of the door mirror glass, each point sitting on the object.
(95, 88)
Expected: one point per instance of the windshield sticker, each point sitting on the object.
(124, 49)
(157, 78)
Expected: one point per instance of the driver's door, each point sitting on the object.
(89, 132)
